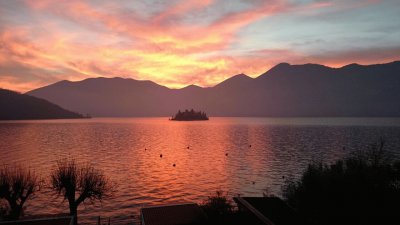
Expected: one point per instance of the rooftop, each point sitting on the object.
(178, 214)
(269, 210)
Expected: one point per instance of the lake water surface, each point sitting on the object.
(219, 156)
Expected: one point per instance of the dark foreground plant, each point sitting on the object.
(17, 185)
(362, 189)
(77, 183)
(218, 207)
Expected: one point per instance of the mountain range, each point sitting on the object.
(284, 90)
(16, 106)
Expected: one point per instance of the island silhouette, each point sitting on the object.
(189, 115)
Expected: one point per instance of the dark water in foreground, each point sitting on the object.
(279, 147)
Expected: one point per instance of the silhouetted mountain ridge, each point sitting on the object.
(284, 90)
(192, 87)
(15, 106)
(238, 80)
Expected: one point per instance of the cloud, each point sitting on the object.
(13, 83)
(173, 45)
(181, 8)
(155, 49)
(372, 55)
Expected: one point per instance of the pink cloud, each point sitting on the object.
(163, 48)
(181, 8)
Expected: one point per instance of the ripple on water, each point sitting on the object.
(279, 147)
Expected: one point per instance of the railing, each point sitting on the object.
(82, 220)
(104, 220)
(38, 220)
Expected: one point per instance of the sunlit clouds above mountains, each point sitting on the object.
(177, 43)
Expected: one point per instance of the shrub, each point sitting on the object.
(363, 188)
(218, 207)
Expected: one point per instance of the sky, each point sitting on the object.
(177, 43)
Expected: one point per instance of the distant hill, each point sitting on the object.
(15, 106)
(284, 90)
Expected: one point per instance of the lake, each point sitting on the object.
(245, 156)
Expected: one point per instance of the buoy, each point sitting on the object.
(174, 165)
(188, 147)
(160, 155)
(254, 182)
(226, 154)
(249, 146)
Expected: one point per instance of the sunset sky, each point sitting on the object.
(181, 42)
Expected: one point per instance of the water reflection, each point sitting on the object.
(128, 150)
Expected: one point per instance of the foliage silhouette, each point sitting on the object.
(218, 207)
(70, 179)
(17, 185)
(189, 115)
(361, 189)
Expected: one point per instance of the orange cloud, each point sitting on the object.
(80, 40)
(181, 8)
(164, 53)
(13, 83)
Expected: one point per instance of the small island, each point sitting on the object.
(189, 115)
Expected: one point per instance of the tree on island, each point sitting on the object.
(189, 115)
(17, 185)
(70, 179)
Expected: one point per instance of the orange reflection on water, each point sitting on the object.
(208, 156)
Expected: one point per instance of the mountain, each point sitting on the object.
(284, 90)
(15, 106)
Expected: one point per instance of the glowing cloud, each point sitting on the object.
(187, 42)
